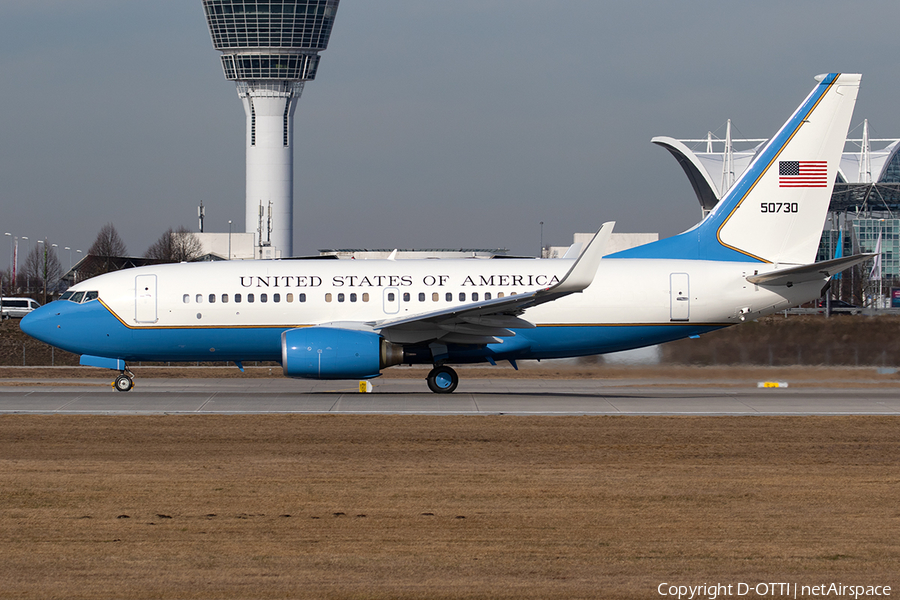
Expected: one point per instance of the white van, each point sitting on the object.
(17, 307)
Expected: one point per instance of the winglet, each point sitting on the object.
(582, 272)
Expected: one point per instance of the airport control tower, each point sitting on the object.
(270, 48)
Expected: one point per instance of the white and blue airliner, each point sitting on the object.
(751, 256)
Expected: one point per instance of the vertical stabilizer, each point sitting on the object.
(776, 211)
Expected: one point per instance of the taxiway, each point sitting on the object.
(474, 396)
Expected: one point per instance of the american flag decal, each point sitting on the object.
(802, 173)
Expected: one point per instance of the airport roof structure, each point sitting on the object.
(867, 180)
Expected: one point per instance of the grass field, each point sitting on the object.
(442, 507)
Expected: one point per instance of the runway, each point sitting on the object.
(404, 396)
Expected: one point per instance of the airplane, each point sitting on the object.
(751, 256)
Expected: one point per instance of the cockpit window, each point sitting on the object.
(66, 295)
(88, 296)
(76, 297)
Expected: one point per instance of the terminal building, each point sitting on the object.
(864, 215)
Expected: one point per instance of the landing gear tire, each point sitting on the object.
(442, 380)
(123, 383)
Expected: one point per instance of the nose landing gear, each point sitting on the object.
(124, 382)
(442, 380)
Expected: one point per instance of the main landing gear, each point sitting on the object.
(124, 382)
(442, 380)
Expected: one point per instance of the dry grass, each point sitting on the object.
(441, 507)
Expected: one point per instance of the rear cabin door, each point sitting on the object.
(679, 297)
(145, 299)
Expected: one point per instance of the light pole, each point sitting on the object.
(10, 273)
(10, 248)
(52, 246)
(75, 274)
(229, 240)
(16, 264)
(43, 271)
(541, 255)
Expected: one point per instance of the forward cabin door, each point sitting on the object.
(679, 297)
(145, 299)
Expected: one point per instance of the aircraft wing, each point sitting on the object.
(812, 272)
(486, 321)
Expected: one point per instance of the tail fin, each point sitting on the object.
(776, 211)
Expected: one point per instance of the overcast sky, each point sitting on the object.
(430, 124)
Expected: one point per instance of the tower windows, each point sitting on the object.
(287, 122)
(252, 122)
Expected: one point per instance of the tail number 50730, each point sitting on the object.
(779, 207)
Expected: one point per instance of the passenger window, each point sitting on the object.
(224, 298)
(462, 296)
(449, 297)
(474, 296)
(212, 298)
(88, 296)
(421, 296)
(487, 295)
(77, 297)
(500, 295)
(435, 297)
(340, 297)
(237, 298)
(353, 297)
(366, 297)
(289, 298)
(199, 298)
(187, 298)
(263, 297)
(250, 298)
(406, 296)
(391, 296)
(301, 297)
(327, 297)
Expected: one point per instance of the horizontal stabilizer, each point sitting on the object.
(812, 272)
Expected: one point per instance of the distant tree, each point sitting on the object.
(179, 245)
(108, 245)
(42, 268)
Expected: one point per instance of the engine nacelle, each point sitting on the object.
(334, 353)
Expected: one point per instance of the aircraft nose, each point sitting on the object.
(40, 323)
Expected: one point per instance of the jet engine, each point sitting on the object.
(334, 353)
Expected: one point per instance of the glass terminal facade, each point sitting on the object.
(867, 232)
(892, 171)
(270, 39)
(863, 237)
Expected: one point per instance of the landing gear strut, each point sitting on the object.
(442, 380)
(124, 382)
